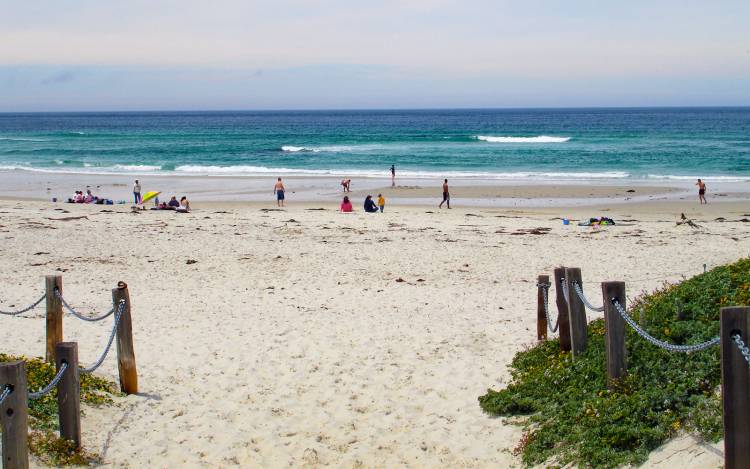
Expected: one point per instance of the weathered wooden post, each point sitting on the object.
(576, 312)
(614, 331)
(14, 415)
(563, 323)
(69, 392)
(54, 315)
(735, 387)
(541, 315)
(125, 350)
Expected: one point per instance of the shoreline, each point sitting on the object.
(423, 192)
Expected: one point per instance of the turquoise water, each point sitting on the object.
(565, 144)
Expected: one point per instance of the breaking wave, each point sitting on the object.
(538, 139)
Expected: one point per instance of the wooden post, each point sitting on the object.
(735, 388)
(614, 331)
(14, 416)
(69, 392)
(576, 312)
(563, 322)
(54, 315)
(125, 350)
(541, 316)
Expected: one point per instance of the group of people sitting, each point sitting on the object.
(88, 198)
(183, 206)
(369, 205)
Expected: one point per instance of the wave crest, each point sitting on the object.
(537, 139)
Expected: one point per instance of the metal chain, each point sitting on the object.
(118, 314)
(24, 310)
(6, 392)
(79, 315)
(743, 348)
(545, 295)
(588, 304)
(660, 343)
(52, 384)
(565, 290)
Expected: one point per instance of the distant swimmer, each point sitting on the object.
(701, 192)
(393, 176)
(278, 189)
(446, 195)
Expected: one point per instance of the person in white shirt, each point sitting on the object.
(137, 192)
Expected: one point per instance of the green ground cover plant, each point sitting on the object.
(571, 417)
(43, 441)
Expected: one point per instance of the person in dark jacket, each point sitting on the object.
(370, 206)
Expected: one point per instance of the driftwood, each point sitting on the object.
(687, 221)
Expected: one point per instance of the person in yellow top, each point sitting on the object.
(381, 202)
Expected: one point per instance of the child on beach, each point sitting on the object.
(381, 202)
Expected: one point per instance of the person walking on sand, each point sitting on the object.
(393, 176)
(278, 189)
(701, 192)
(446, 195)
(137, 192)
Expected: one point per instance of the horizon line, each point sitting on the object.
(401, 109)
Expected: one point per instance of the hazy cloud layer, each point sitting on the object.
(331, 53)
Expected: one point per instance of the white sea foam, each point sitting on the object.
(695, 178)
(539, 139)
(327, 149)
(21, 139)
(136, 167)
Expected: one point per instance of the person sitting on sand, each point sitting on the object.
(370, 206)
(78, 198)
(184, 205)
(346, 205)
(381, 202)
(89, 197)
(173, 202)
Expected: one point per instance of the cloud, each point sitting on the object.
(59, 78)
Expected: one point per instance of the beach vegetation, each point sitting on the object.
(43, 420)
(571, 416)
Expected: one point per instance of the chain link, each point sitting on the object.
(588, 304)
(24, 310)
(52, 384)
(545, 295)
(743, 348)
(660, 343)
(79, 315)
(6, 392)
(118, 314)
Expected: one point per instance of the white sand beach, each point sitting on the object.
(309, 338)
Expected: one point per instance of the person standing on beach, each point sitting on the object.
(137, 192)
(393, 176)
(701, 192)
(446, 195)
(278, 189)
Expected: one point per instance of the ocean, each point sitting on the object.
(504, 144)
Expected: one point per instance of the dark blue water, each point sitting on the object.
(533, 143)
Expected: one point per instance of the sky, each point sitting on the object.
(90, 55)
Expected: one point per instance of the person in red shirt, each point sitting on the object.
(346, 205)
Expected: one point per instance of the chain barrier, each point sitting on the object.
(80, 315)
(52, 384)
(120, 308)
(566, 293)
(660, 343)
(6, 392)
(588, 304)
(545, 295)
(743, 348)
(24, 310)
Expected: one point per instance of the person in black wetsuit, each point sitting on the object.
(370, 206)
